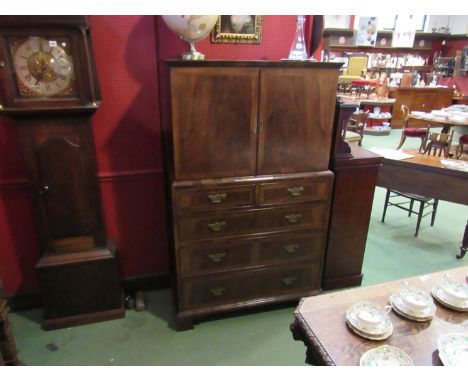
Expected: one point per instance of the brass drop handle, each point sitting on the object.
(289, 280)
(217, 198)
(291, 248)
(293, 218)
(44, 190)
(217, 226)
(296, 191)
(217, 291)
(217, 257)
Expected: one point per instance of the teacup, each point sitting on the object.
(415, 299)
(385, 124)
(371, 315)
(455, 290)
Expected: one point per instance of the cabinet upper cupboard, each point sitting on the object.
(251, 118)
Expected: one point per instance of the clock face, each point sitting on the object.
(43, 67)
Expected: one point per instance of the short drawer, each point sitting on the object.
(215, 198)
(301, 190)
(215, 257)
(250, 285)
(313, 215)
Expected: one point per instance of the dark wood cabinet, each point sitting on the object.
(50, 90)
(251, 188)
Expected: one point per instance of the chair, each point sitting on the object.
(438, 141)
(353, 129)
(412, 132)
(461, 142)
(356, 70)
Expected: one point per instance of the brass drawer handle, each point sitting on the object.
(217, 198)
(217, 226)
(217, 291)
(293, 218)
(289, 280)
(217, 257)
(296, 191)
(291, 248)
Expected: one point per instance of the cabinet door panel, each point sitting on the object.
(214, 113)
(296, 117)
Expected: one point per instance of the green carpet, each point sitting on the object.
(261, 337)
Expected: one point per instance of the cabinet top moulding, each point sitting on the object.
(257, 64)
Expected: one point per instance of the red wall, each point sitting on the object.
(127, 128)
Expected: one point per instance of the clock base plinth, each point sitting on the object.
(80, 287)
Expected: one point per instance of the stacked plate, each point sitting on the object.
(452, 294)
(385, 355)
(453, 349)
(413, 304)
(369, 321)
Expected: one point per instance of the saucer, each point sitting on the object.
(369, 336)
(384, 329)
(385, 355)
(439, 294)
(399, 306)
(453, 349)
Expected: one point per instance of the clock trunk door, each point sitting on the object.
(296, 112)
(214, 115)
(69, 208)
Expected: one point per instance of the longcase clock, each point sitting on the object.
(49, 88)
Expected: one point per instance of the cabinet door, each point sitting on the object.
(214, 114)
(296, 109)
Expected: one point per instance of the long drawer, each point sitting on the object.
(224, 255)
(212, 225)
(244, 286)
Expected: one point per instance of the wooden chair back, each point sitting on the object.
(438, 143)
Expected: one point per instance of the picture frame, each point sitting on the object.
(236, 29)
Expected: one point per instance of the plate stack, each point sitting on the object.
(369, 321)
(452, 294)
(413, 304)
(453, 349)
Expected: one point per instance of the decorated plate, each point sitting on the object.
(439, 294)
(385, 355)
(373, 337)
(453, 349)
(401, 308)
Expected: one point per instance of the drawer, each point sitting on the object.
(292, 191)
(215, 198)
(244, 286)
(214, 225)
(215, 257)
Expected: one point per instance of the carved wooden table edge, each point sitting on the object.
(315, 354)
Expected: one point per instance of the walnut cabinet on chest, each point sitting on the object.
(251, 185)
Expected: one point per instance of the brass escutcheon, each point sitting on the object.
(293, 218)
(217, 257)
(217, 226)
(291, 248)
(296, 191)
(217, 291)
(217, 198)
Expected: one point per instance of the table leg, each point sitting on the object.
(464, 246)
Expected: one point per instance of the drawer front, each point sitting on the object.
(302, 190)
(215, 198)
(292, 247)
(208, 258)
(244, 286)
(256, 221)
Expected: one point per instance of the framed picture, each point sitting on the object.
(366, 34)
(235, 29)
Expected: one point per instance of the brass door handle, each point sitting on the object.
(217, 198)
(217, 257)
(217, 291)
(217, 226)
(291, 248)
(293, 218)
(289, 280)
(296, 191)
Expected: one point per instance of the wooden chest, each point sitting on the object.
(251, 185)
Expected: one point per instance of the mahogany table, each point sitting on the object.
(446, 123)
(321, 324)
(425, 175)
